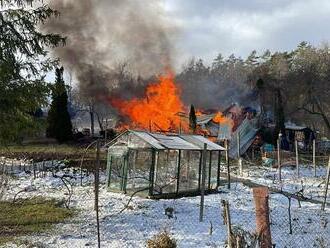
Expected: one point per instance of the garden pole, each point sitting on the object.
(314, 160)
(297, 156)
(326, 186)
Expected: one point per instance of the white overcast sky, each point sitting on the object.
(209, 27)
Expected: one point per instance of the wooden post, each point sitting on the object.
(228, 166)
(96, 191)
(260, 195)
(226, 210)
(326, 186)
(201, 208)
(34, 169)
(279, 159)
(43, 169)
(289, 212)
(314, 160)
(240, 162)
(179, 172)
(297, 156)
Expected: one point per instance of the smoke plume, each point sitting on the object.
(102, 35)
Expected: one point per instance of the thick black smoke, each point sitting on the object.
(103, 34)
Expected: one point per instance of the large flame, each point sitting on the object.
(160, 110)
(219, 118)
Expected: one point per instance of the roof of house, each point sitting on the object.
(174, 141)
(293, 126)
(205, 118)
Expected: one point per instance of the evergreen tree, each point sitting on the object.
(192, 119)
(23, 65)
(59, 121)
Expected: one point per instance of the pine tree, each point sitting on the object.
(192, 119)
(24, 63)
(59, 121)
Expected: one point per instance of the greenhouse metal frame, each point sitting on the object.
(162, 165)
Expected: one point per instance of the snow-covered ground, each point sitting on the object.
(306, 184)
(145, 218)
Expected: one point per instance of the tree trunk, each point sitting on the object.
(99, 121)
(324, 117)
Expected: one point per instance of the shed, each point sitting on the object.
(162, 165)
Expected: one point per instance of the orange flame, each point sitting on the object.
(220, 118)
(159, 110)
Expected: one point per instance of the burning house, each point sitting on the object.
(160, 165)
(236, 124)
(162, 111)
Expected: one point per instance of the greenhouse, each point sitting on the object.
(162, 165)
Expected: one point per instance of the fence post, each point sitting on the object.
(227, 162)
(96, 190)
(297, 156)
(314, 160)
(201, 208)
(226, 215)
(240, 162)
(34, 169)
(326, 186)
(260, 195)
(279, 158)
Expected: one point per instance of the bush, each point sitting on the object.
(161, 240)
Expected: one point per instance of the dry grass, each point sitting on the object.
(161, 240)
(30, 216)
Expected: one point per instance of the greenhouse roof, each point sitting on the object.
(176, 141)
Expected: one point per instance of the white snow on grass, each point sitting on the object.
(306, 184)
(144, 218)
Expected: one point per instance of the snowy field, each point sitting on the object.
(145, 218)
(306, 184)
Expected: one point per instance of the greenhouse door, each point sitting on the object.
(117, 172)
